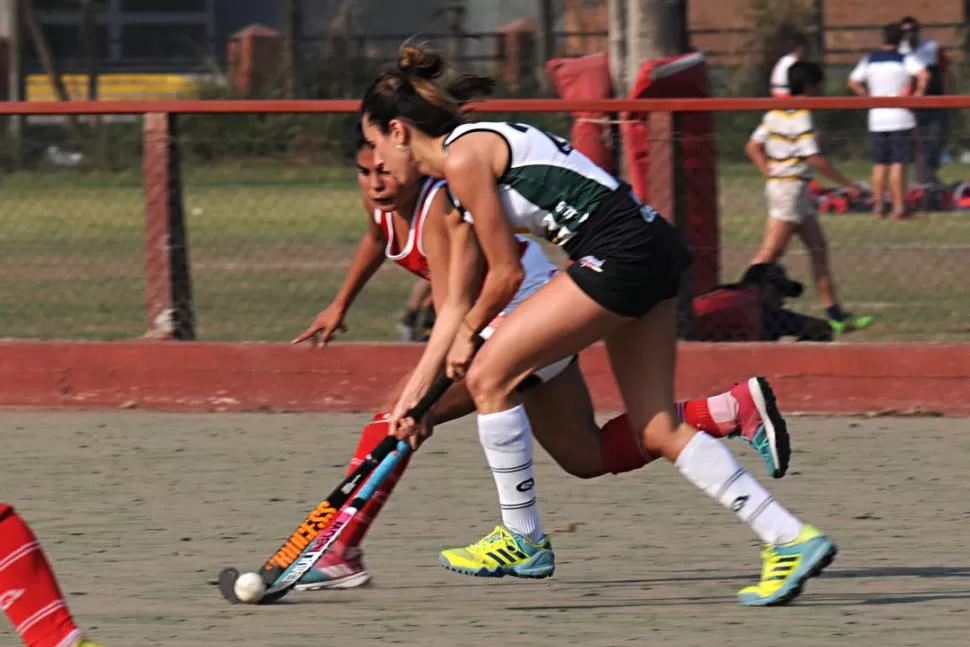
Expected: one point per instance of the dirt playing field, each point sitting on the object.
(139, 512)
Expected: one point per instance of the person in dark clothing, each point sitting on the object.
(932, 122)
(777, 321)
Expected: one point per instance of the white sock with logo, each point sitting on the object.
(506, 437)
(712, 467)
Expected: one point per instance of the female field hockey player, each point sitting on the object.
(621, 288)
(409, 224)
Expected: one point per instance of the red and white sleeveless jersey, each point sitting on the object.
(412, 257)
(538, 268)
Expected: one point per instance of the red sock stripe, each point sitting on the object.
(20, 552)
(698, 415)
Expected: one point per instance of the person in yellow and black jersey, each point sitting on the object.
(785, 149)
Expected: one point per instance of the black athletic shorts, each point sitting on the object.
(892, 147)
(626, 256)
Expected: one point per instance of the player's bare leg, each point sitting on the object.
(563, 423)
(879, 190)
(897, 187)
(643, 358)
(569, 433)
(777, 235)
(840, 321)
(518, 348)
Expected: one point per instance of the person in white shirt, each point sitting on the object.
(797, 45)
(785, 149)
(887, 73)
(932, 122)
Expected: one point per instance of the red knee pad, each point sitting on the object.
(621, 451)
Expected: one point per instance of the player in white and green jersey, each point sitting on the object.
(620, 288)
(549, 186)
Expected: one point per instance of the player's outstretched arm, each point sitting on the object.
(367, 260)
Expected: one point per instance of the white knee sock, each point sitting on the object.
(712, 467)
(506, 437)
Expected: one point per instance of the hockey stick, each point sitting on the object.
(312, 553)
(276, 566)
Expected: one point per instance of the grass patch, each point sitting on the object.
(269, 246)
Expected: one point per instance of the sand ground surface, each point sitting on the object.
(139, 512)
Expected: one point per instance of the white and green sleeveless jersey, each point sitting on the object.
(548, 187)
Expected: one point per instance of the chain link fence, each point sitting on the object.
(906, 266)
(273, 216)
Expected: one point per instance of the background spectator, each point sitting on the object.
(777, 321)
(796, 46)
(932, 123)
(785, 150)
(887, 73)
(419, 317)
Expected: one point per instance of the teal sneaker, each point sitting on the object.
(761, 425)
(502, 553)
(787, 567)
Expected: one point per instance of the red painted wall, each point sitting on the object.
(193, 376)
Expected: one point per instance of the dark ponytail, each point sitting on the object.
(470, 86)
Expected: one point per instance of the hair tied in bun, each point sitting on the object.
(422, 62)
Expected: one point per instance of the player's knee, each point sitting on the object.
(661, 439)
(485, 385)
(582, 471)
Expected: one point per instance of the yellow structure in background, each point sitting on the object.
(113, 87)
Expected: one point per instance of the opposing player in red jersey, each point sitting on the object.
(408, 224)
(29, 594)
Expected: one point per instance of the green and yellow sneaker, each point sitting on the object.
(787, 567)
(850, 323)
(502, 553)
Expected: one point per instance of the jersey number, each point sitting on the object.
(564, 147)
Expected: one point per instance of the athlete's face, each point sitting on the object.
(392, 150)
(376, 183)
